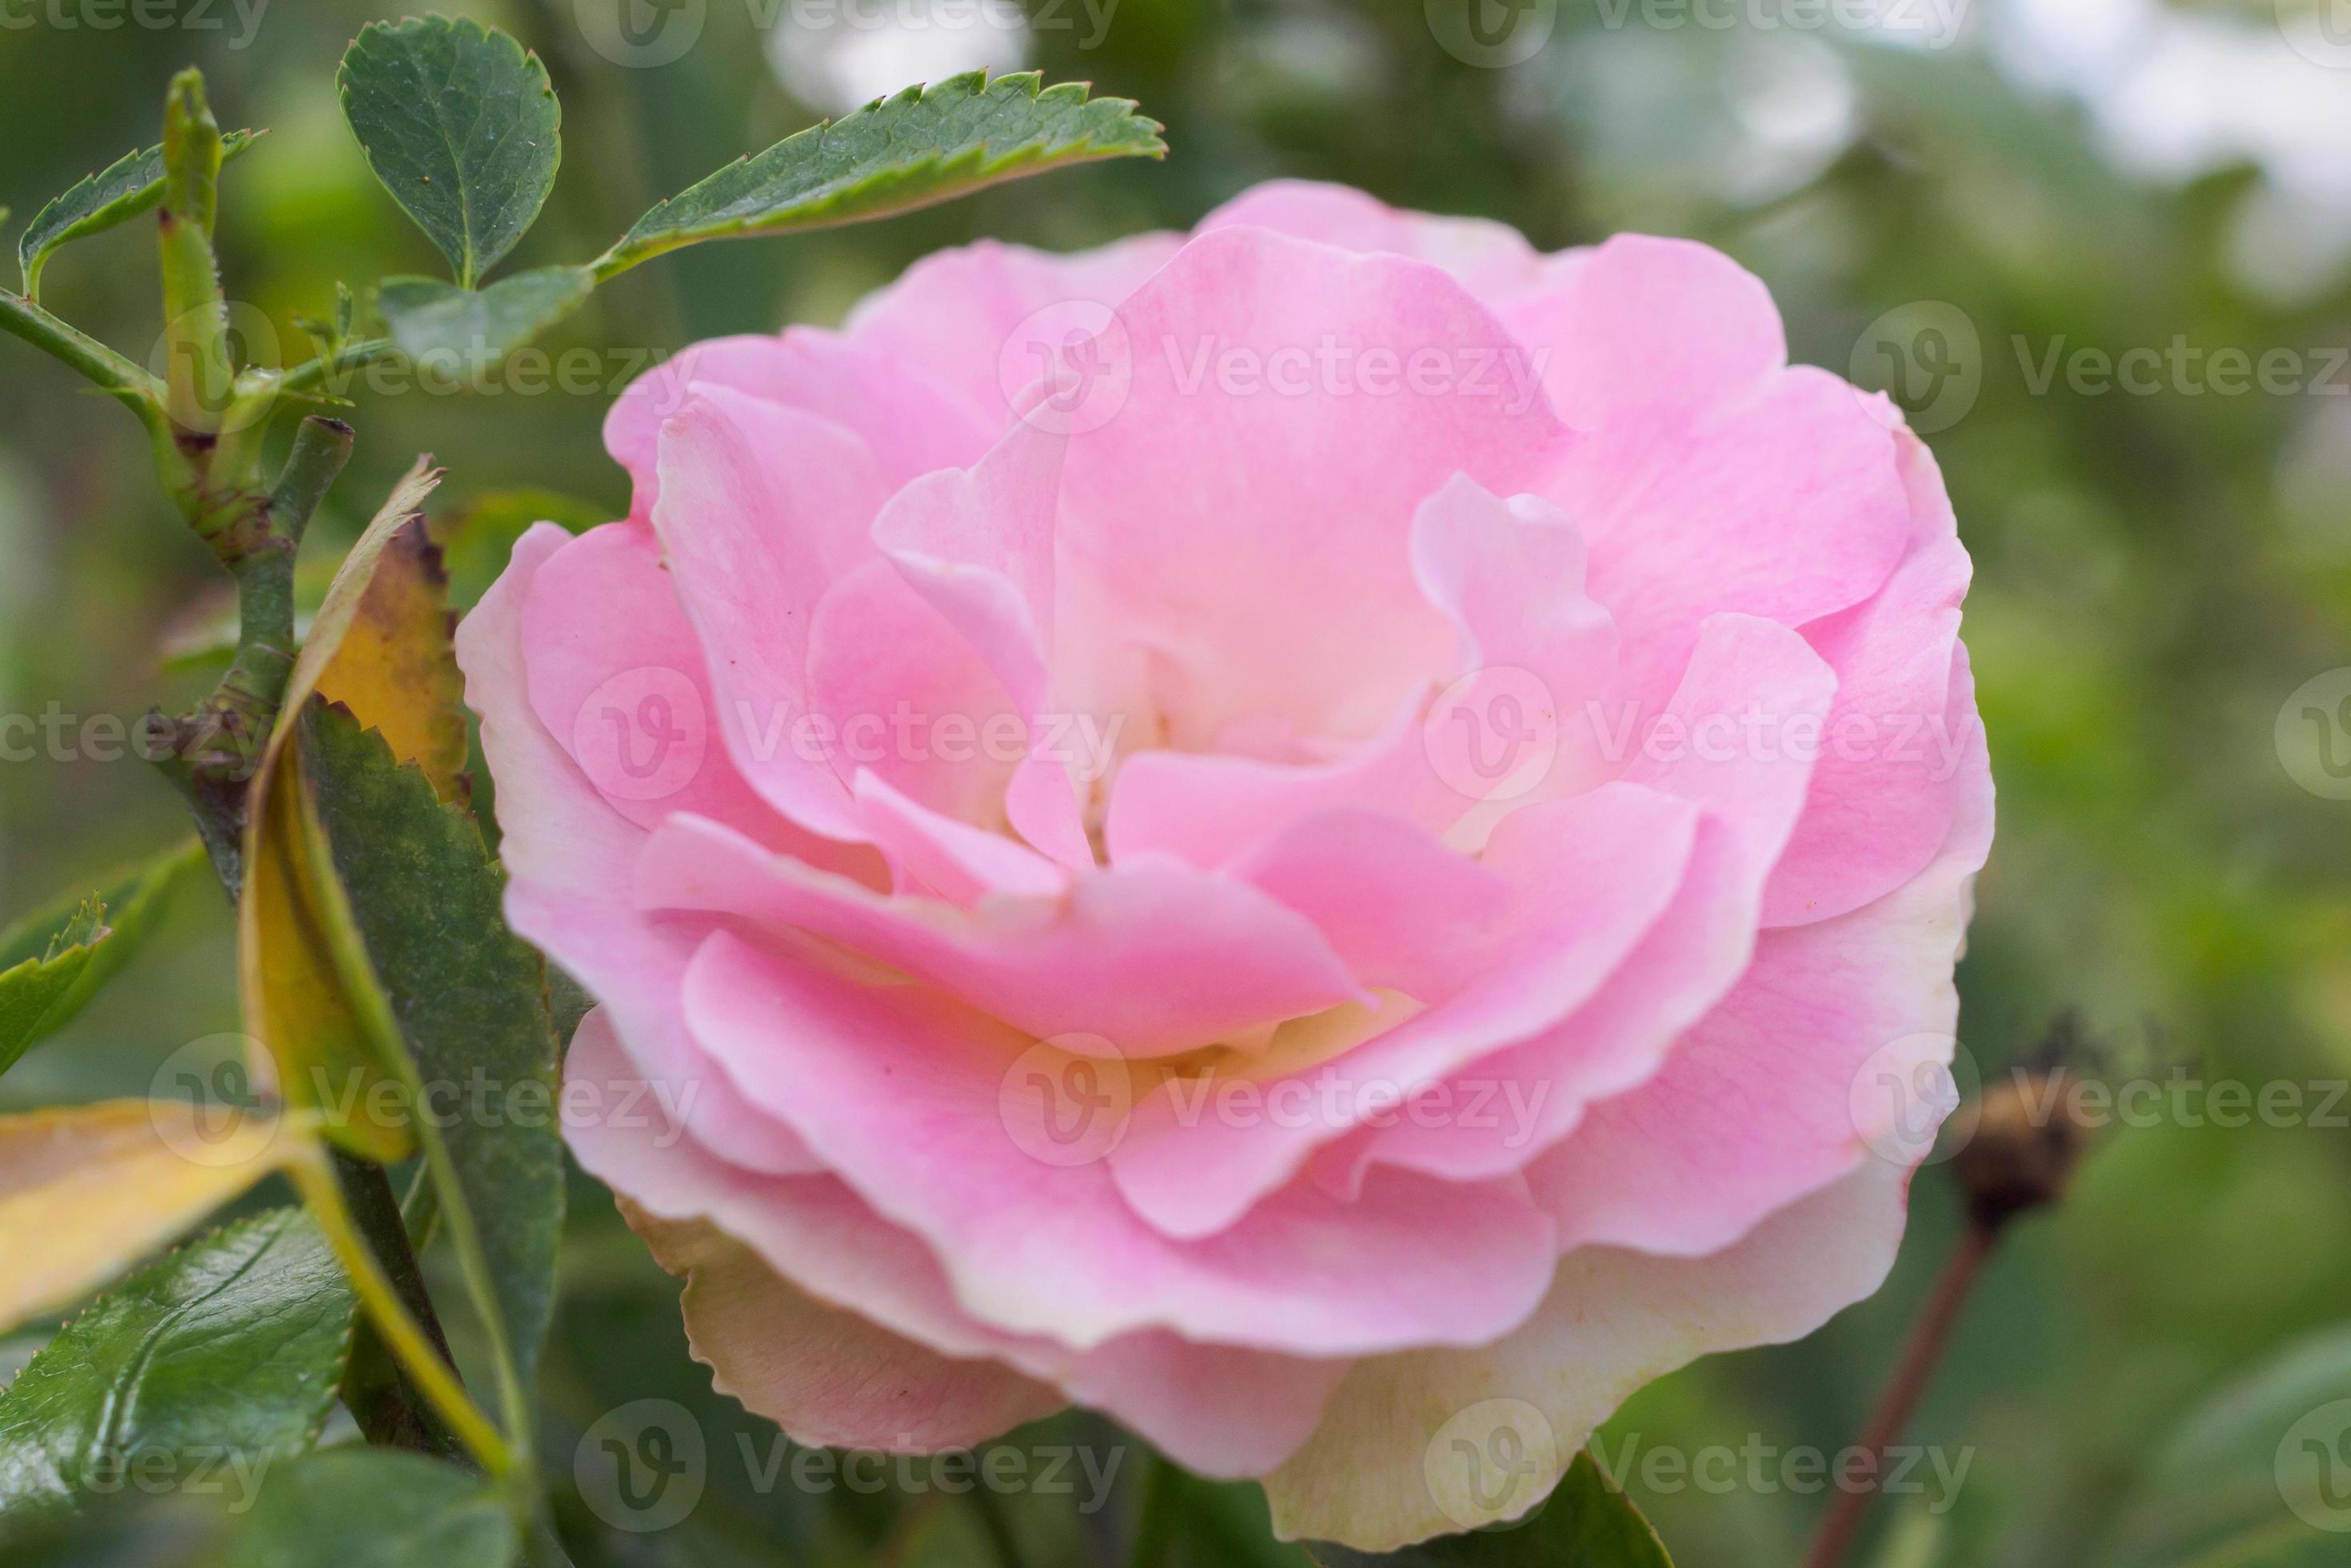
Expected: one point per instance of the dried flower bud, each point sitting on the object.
(2020, 1143)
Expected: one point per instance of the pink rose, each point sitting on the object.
(1324, 837)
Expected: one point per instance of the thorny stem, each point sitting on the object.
(218, 744)
(205, 424)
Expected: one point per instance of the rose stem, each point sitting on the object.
(1929, 1336)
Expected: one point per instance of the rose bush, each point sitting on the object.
(1294, 834)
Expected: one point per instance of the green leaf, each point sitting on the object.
(895, 153)
(1586, 1522)
(53, 962)
(351, 1507)
(471, 1001)
(201, 1371)
(466, 332)
(133, 1533)
(2260, 1475)
(371, 1508)
(460, 124)
(131, 185)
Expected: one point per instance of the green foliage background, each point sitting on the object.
(2154, 574)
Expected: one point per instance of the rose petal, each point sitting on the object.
(1492, 260)
(1903, 739)
(1214, 1409)
(903, 1094)
(761, 506)
(909, 423)
(568, 856)
(1613, 1322)
(1275, 581)
(1786, 504)
(1148, 958)
(1756, 1106)
(969, 318)
(1642, 324)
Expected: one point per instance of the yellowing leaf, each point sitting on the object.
(381, 641)
(310, 994)
(85, 1192)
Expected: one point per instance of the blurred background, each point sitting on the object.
(2101, 250)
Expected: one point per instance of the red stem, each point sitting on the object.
(1929, 1335)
